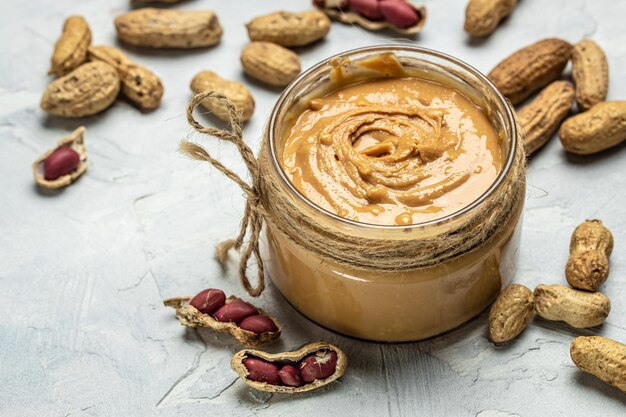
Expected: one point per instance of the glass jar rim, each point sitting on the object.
(509, 117)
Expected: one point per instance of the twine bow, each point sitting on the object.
(252, 221)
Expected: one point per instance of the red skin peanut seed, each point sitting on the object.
(258, 324)
(289, 376)
(61, 161)
(368, 8)
(318, 365)
(209, 300)
(398, 13)
(261, 371)
(235, 312)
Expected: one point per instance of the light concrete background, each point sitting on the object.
(83, 271)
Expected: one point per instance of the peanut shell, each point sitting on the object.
(601, 127)
(270, 63)
(288, 28)
(162, 28)
(590, 71)
(510, 313)
(353, 18)
(483, 16)
(189, 316)
(236, 92)
(75, 141)
(294, 356)
(71, 49)
(139, 84)
(601, 357)
(580, 309)
(541, 117)
(531, 68)
(590, 248)
(87, 90)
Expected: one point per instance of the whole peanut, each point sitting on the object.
(482, 16)
(590, 248)
(601, 127)
(71, 49)
(510, 313)
(270, 63)
(590, 71)
(602, 357)
(236, 92)
(580, 309)
(289, 29)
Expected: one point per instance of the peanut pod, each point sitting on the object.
(190, 316)
(393, 12)
(590, 71)
(270, 63)
(163, 28)
(601, 357)
(139, 84)
(269, 379)
(590, 248)
(601, 127)
(288, 28)
(71, 49)
(542, 116)
(87, 90)
(510, 313)
(482, 16)
(234, 91)
(75, 142)
(531, 68)
(580, 309)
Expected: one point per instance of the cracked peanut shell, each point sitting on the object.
(75, 140)
(590, 71)
(541, 117)
(580, 309)
(531, 68)
(87, 90)
(270, 63)
(71, 49)
(601, 357)
(234, 91)
(190, 316)
(293, 356)
(162, 28)
(483, 16)
(354, 18)
(510, 313)
(289, 28)
(139, 84)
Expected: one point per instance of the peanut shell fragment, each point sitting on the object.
(74, 141)
(580, 309)
(87, 90)
(162, 28)
(510, 313)
(139, 84)
(531, 68)
(541, 117)
(590, 71)
(483, 16)
(190, 316)
(288, 28)
(71, 49)
(270, 63)
(601, 357)
(234, 91)
(601, 127)
(237, 363)
(590, 248)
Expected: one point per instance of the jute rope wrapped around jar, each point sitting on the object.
(267, 201)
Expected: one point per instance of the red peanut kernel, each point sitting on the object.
(209, 300)
(289, 376)
(61, 161)
(368, 8)
(261, 371)
(398, 13)
(318, 365)
(235, 312)
(258, 324)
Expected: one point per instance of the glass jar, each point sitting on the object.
(386, 305)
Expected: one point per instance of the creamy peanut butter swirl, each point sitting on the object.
(392, 151)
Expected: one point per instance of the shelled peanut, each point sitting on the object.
(483, 16)
(289, 28)
(531, 68)
(270, 63)
(163, 28)
(234, 91)
(399, 15)
(64, 164)
(601, 357)
(211, 309)
(590, 248)
(308, 368)
(510, 313)
(70, 50)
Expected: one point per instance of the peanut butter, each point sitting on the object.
(392, 150)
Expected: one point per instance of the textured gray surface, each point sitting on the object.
(83, 271)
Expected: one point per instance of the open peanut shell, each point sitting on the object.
(294, 356)
(75, 141)
(350, 18)
(190, 316)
